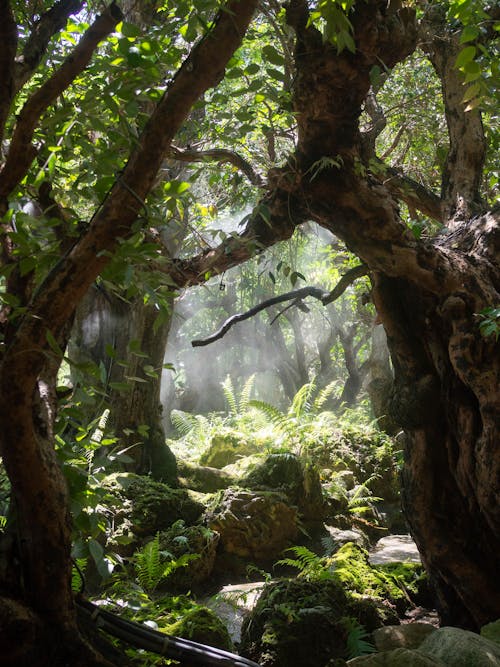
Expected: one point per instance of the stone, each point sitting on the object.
(148, 506)
(203, 478)
(394, 548)
(287, 474)
(461, 648)
(410, 635)
(399, 657)
(254, 525)
(339, 537)
(227, 447)
(198, 540)
(491, 631)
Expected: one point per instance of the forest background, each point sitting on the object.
(133, 137)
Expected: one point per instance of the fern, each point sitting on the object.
(304, 558)
(230, 395)
(357, 640)
(150, 565)
(324, 395)
(301, 404)
(246, 392)
(275, 416)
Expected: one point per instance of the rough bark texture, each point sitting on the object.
(39, 493)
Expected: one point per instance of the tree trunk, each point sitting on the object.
(124, 338)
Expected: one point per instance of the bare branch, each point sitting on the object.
(347, 279)
(8, 40)
(295, 296)
(415, 195)
(220, 155)
(49, 23)
(21, 151)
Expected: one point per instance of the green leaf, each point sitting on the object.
(465, 56)
(271, 55)
(129, 29)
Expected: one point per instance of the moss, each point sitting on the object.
(202, 625)
(150, 506)
(353, 570)
(300, 623)
(226, 448)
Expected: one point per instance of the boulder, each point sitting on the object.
(304, 623)
(298, 481)
(200, 541)
(461, 648)
(399, 657)
(410, 635)
(203, 478)
(201, 625)
(491, 631)
(227, 447)
(251, 524)
(147, 506)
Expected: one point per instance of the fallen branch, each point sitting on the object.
(295, 295)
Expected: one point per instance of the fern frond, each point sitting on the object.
(357, 640)
(301, 404)
(273, 414)
(183, 422)
(148, 567)
(229, 395)
(246, 392)
(324, 395)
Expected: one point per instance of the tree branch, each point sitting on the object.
(21, 151)
(295, 295)
(49, 23)
(412, 193)
(220, 155)
(8, 40)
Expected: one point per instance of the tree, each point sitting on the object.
(430, 292)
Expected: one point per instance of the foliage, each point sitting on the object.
(357, 639)
(152, 565)
(310, 566)
(489, 324)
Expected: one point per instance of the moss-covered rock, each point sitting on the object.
(203, 478)
(301, 623)
(180, 539)
(461, 648)
(146, 505)
(204, 626)
(251, 524)
(288, 474)
(491, 631)
(409, 635)
(399, 657)
(227, 447)
(391, 582)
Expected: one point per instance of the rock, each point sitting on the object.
(353, 569)
(491, 631)
(253, 525)
(410, 635)
(399, 657)
(338, 537)
(227, 447)
(180, 539)
(148, 506)
(299, 481)
(202, 625)
(461, 648)
(232, 603)
(305, 623)
(394, 548)
(203, 478)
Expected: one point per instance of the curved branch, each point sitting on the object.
(21, 151)
(415, 195)
(295, 295)
(49, 23)
(220, 155)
